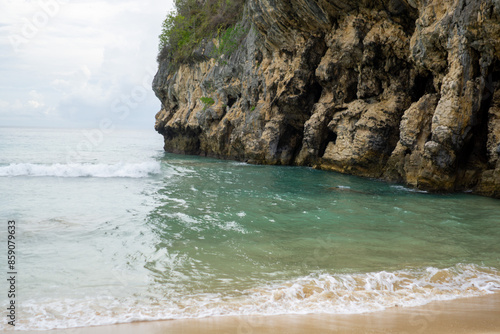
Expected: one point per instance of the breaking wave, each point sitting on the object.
(315, 293)
(132, 170)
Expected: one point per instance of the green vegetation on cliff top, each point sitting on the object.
(193, 20)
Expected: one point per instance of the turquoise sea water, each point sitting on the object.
(112, 229)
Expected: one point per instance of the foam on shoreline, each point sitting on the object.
(314, 294)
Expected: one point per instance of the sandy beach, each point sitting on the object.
(468, 315)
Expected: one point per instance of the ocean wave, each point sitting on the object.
(316, 293)
(132, 170)
(359, 293)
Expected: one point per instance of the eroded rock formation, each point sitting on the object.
(407, 91)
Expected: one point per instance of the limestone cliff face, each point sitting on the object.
(404, 90)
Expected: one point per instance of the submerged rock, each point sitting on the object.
(407, 91)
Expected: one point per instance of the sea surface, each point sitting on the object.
(110, 229)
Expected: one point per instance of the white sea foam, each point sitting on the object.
(207, 222)
(232, 226)
(133, 170)
(316, 293)
(360, 293)
(413, 190)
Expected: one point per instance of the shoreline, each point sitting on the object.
(472, 315)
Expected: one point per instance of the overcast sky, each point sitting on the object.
(73, 63)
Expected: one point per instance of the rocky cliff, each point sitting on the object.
(403, 90)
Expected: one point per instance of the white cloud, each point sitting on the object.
(35, 104)
(73, 62)
(35, 95)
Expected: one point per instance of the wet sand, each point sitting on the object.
(468, 315)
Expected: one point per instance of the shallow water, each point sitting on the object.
(115, 230)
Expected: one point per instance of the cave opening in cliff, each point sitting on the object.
(231, 100)
(316, 91)
(422, 84)
(331, 137)
(495, 74)
(475, 152)
(492, 84)
(289, 144)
